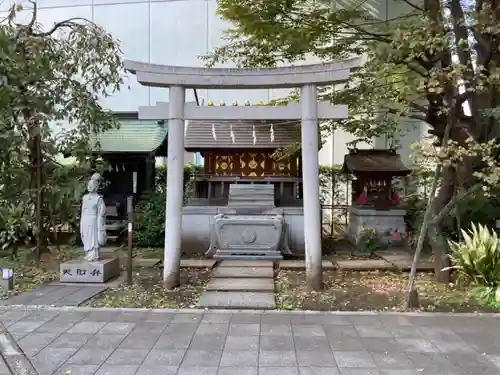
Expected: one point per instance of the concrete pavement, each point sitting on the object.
(13, 359)
(86, 341)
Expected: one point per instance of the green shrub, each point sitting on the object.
(489, 295)
(477, 256)
(62, 189)
(149, 220)
(189, 171)
(16, 225)
(367, 242)
(477, 208)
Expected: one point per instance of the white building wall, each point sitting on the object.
(177, 32)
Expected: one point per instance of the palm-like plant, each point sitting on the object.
(477, 256)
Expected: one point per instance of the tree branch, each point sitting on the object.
(413, 5)
(381, 37)
(33, 16)
(428, 211)
(66, 23)
(453, 201)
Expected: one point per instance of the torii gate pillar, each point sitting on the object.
(175, 183)
(310, 184)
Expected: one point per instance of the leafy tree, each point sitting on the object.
(425, 64)
(49, 76)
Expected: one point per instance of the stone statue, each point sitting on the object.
(92, 222)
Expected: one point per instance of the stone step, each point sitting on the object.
(241, 285)
(301, 264)
(197, 263)
(248, 258)
(246, 263)
(272, 254)
(237, 300)
(244, 272)
(255, 197)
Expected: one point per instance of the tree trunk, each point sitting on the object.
(436, 238)
(36, 184)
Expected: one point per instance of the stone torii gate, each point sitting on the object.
(309, 111)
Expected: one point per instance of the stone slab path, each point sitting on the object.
(301, 265)
(243, 272)
(13, 359)
(237, 300)
(144, 262)
(185, 263)
(169, 342)
(364, 265)
(56, 295)
(240, 285)
(403, 260)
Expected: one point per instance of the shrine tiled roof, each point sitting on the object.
(373, 161)
(133, 136)
(201, 135)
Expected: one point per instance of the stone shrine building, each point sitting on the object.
(375, 200)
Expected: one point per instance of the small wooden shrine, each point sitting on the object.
(374, 199)
(243, 152)
(372, 174)
(130, 152)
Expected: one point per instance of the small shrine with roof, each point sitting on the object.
(130, 152)
(244, 187)
(243, 152)
(374, 199)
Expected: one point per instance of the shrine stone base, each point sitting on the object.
(82, 271)
(198, 221)
(385, 222)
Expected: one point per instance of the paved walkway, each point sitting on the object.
(56, 294)
(142, 342)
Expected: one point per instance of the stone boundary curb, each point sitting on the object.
(245, 311)
(15, 359)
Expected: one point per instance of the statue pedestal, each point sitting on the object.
(82, 271)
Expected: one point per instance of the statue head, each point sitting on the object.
(93, 183)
